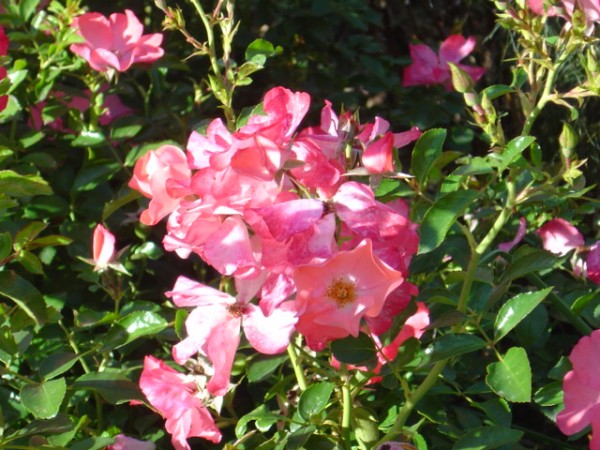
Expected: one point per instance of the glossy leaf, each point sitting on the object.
(451, 345)
(132, 327)
(427, 150)
(15, 185)
(515, 310)
(43, 400)
(56, 364)
(513, 149)
(441, 216)
(510, 378)
(359, 350)
(114, 387)
(261, 368)
(528, 260)
(314, 399)
(24, 294)
(488, 438)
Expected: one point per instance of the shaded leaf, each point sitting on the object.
(43, 399)
(427, 150)
(24, 294)
(314, 399)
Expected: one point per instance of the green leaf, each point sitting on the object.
(441, 216)
(299, 437)
(260, 414)
(497, 90)
(515, 310)
(59, 424)
(359, 351)
(451, 345)
(474, 166)
(259, 50)
(27, 8)
(56, 364)
(550, 394)
(427, 150)
(263, 367)
(125, 131)
(5, 245)
(16, 185)
(132, 327)
(24, 294)
(94, 174)
(314, 400)
(27, 234)
(488, 438)
(513, 149)
(88, 139)
(43, 400)
(30, 262)
(50, 241)
(511, 377)
(114, 387)
(117, 203)
(527, 260)
(94, 443)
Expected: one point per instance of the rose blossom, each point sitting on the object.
(175, 396)
(3, 52)
(333, 296)
(103, 248)
(582, 390)
(123, 442)
(428, 68)
(116, 42)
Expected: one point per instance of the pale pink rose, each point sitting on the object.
(582, 390)
(103, 247)
(333, 296)
(589, 8)
(175, 396)
(560, 237)
(213, 328)
(116, 42)
(428, 68)
(123, 442)
(164, 176)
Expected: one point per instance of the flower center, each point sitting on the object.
(342, 292)
(236, 310)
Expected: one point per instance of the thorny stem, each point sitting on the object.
(412, 398)
(297, 368)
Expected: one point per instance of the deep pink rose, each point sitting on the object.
(428, 68)
(123, 442)
(3, 52)
(116, 42)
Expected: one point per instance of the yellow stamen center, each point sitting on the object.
(342, 292)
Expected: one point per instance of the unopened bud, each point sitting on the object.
(502, 5)
(568, 140)
(592, 61)
(461, 80)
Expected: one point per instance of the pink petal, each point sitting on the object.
(291, 217)
(592, 262)
(508, 246)
(187, 292)
(455, 48)
(377, 157)
(560, 237)
(269, 334)
(579, 400)
(103, 247)
(406, 137)
(585, 358)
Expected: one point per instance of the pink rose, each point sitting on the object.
(175, 396)
(428, 68)
(116, 42)
(123, 442)
(582, 390)
(3, 52)
(103, 247)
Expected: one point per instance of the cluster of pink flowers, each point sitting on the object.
(589, 8)
(116, 42)
(429, 68)
(560, 237)
(274, 208)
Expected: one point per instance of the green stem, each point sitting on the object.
(412, 400)
(297, 368)
(545, 97)
(347, 408)
(414, 397)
